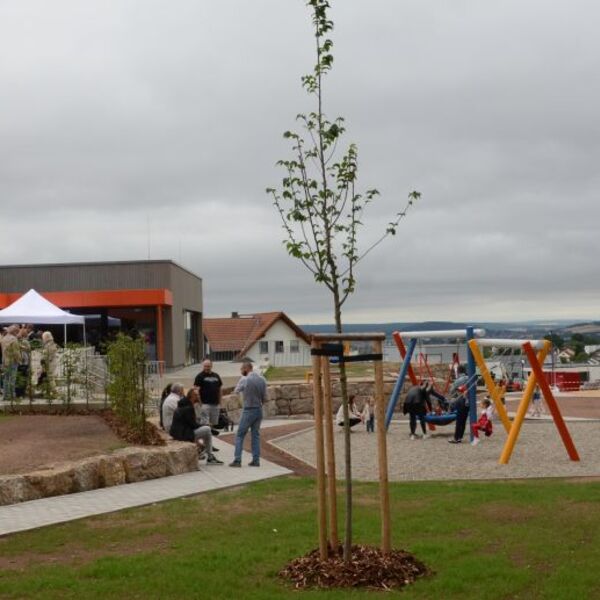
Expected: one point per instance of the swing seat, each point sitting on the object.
(441, 419)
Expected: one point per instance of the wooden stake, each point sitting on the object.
(318, 410)
(330, 453)
(384, 494)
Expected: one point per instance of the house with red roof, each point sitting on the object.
(271, 336)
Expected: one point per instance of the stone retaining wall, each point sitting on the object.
(127, 465)
(297, 398)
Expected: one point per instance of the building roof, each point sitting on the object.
(239, 333)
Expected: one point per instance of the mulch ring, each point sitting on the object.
(368, 568)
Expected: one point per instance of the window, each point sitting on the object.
(279, 347)
(294, 346)
(263, 347)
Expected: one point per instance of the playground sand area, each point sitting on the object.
(539, 452)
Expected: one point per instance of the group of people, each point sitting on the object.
(16, 342)
(418, 404)
(193, 416)
(366, 416)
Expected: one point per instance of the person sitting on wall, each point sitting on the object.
(353, 415)
(169, 400)
(186, 428)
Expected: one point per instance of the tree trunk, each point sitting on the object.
(347, 442)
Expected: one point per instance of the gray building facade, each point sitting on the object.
(157, 299)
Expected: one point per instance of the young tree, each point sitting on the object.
(321, 208)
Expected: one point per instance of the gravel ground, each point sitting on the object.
(539, 452)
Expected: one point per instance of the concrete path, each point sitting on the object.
(59, 509)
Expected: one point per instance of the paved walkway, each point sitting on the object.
(59, 509)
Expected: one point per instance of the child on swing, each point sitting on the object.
(484, 423)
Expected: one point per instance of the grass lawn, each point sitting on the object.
(533, 539)
(353, 370)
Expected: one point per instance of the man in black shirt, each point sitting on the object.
(211, 392)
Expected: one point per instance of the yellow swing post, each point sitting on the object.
(495, 391)
(515, 429)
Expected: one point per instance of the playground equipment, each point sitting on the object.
(323, 347)
(407, 370)
(536, 377)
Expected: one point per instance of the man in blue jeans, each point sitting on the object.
(254, 389)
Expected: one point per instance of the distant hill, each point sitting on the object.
(493, 329)
(591, 328)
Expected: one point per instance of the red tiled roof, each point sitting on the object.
(237, 334)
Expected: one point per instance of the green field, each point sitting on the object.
(533, 539)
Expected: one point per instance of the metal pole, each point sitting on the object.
(471, 374)
(400, 382)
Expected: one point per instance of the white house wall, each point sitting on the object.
(281, 332)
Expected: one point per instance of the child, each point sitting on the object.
(368, 415)
(353, 415)
(537, 408)
(484, 423)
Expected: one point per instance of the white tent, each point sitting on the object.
(33, 308)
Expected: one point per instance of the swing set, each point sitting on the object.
(536, 378)
(441, 416)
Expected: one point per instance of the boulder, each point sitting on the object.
(181, 457)
(141, 464)
(274, 392)
(111, 471)
(87, 476)
(306, 390)
(290, 392)
(15, 488)
(52, 482)
(301, 406)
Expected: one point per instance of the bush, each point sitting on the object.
(127, 388)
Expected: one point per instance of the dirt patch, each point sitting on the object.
(76, 554)
(33, 442)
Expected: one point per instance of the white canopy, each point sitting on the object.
(33, 308)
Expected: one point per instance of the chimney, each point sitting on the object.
(235, 315)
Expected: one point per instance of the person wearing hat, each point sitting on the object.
(461, 407)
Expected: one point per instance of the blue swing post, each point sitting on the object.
(472, 375)
(400, 382)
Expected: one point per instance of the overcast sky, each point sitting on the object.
(130, 128)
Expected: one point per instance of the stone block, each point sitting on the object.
(274, 392)
(52, 482)
(15, 488)
(306, 390)
(87, 476)
(111, 471)
(302, 406)
(141, 464)
(290, 392)
(181, 457)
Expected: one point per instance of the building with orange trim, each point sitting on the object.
(157, 299)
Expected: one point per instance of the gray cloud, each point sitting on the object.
(130, 121)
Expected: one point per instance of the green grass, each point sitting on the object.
(534, 539)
